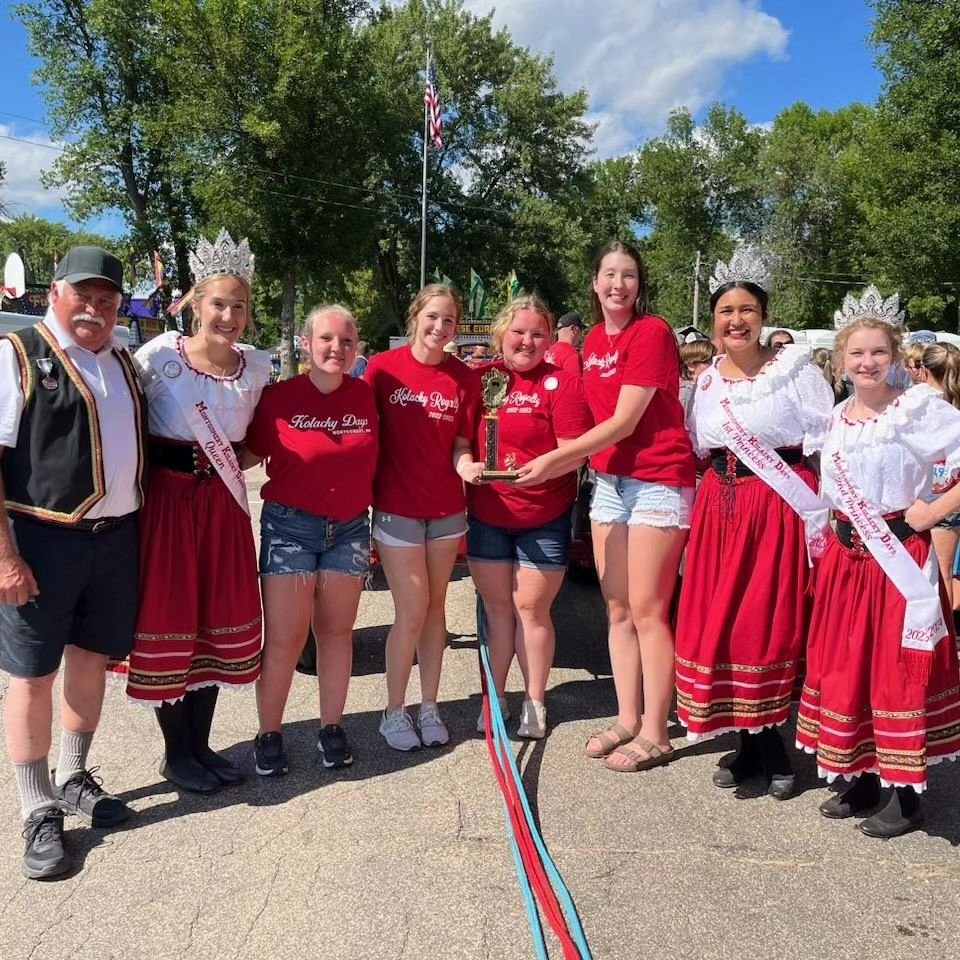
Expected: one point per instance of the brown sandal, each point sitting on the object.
(610, 739)
(647, 756)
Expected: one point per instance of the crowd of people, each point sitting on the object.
(819, 536)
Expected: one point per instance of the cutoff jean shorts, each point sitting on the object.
(546, 547)
(639, 503)
(294, 541)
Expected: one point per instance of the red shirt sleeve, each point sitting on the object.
(653, 359)
(569, 412)
(258, 432)
(470, 394)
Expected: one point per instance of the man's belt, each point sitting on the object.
(729, 466)
(89, 525)
(848, 536)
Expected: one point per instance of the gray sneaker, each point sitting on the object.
(433, 731)
(398, 730)
(504, 709)
(533, 720)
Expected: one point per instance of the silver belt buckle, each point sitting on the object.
(100, 526)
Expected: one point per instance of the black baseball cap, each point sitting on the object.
(569, 320)
(90, 263)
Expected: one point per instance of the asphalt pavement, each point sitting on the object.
(405, 857)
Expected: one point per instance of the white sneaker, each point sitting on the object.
(504, 709)
(398, 730)
(533, 720)
(433, 732)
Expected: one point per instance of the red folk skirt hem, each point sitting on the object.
(744, 608)
(862, 710)
(199, 622)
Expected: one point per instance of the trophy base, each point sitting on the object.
(507, 476)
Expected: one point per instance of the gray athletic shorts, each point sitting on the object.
(392, 530)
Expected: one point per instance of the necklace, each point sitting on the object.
(611, 337)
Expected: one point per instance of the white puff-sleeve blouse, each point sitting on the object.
(891, 457)
(232, 399)
(788, 404)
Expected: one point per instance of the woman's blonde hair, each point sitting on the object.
(200, 290)
(529, 301)
(696, 351)
(429, 291)
(893, 334)
(306, 331)
(913, 353)
(942, 362)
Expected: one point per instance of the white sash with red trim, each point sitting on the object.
(201, 420)
(923, 623)
(770, 467)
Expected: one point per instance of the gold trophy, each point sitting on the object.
(495, 385)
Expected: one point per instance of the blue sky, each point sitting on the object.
(637, 58)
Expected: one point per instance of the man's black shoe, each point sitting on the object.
(333, 747)
(44, 855)
(83, 795)
(269, 757)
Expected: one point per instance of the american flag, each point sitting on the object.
(431, 100)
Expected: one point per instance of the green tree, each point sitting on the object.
(912, 194)
(40, 242)
(513, 143)
(812, 174)
(700, 185)
(104, 71)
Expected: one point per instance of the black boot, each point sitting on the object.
(179, 765)
(858, 798)
(902, 814)
(776, 764)
(201, 705)
(744, 765)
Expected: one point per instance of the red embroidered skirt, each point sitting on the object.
(859, 711)
(199, 620)
(744, 607)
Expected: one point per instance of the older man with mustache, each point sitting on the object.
(72, 427)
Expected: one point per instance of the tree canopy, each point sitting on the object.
(300, 125)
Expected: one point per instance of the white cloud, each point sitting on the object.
(25, 158)
(640, 59)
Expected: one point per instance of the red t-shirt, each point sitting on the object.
(423, 409)
(565, 357)
(643, 354)
(321, 447)
(542, 406)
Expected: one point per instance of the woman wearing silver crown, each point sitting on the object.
(758, 414)
(199, 622)
(881, 701)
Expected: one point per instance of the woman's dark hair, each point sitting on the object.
(618, 246)
(751, 288)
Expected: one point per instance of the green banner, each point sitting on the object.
(477, 300)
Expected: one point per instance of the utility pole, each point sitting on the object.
(696, 290)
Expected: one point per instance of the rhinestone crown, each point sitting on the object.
(223, 256)
(871, 304)
(747, 265)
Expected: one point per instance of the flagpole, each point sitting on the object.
(423, 191)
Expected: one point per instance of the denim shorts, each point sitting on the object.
(542, 548)
(394, 530)
(638, 503)
(294, 541)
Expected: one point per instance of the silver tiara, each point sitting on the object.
(747, 265)
(223, 256)
(871, 304)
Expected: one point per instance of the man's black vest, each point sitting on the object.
(55, 472)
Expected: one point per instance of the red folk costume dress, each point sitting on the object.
(423, 409)
(199, 621)
(543, 405)
(867, 707)
(745, 603)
